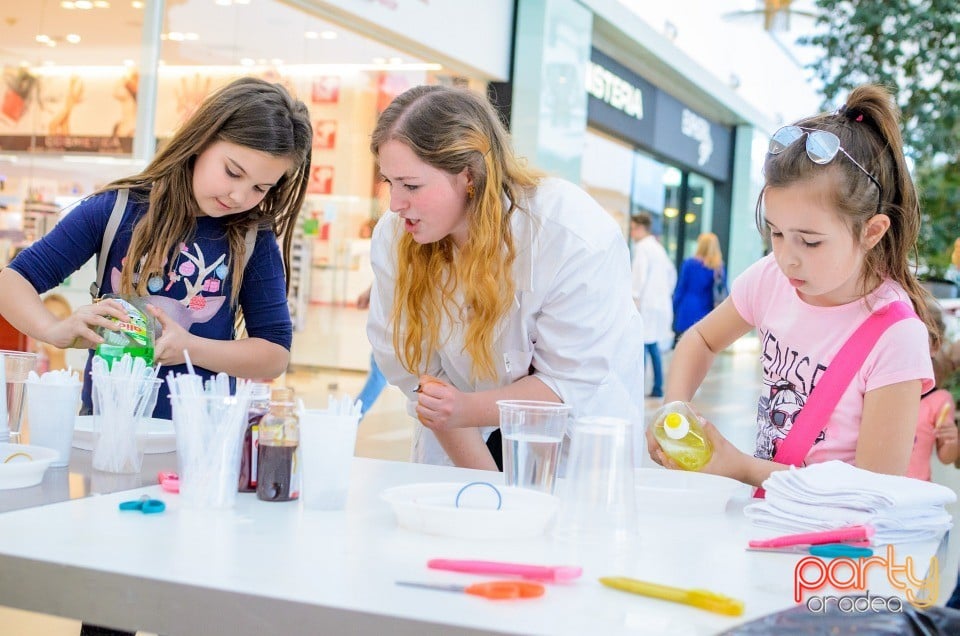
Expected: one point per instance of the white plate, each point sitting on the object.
(682, 492)
(160, 435)
(17, 471)
(430, 508)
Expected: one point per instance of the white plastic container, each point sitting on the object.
(23, 465)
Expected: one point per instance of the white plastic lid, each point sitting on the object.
(676, 426)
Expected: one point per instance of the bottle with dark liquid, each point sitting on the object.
(278, 474)
(259, 405)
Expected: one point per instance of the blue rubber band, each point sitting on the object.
(480, 483)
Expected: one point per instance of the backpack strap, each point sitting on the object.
(108, 235)
(836, 378)
(249, 241)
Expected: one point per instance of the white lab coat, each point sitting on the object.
(654, 277)
(573, 320)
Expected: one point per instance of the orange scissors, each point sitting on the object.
(494, 590)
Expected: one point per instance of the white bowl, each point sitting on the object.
(160, 438)
(681, 492)
(430, 508)
(23, 465)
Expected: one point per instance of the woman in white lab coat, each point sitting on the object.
(492, 282)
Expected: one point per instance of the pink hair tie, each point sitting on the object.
(860, 117)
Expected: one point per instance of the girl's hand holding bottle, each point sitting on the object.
(79, 329)
(173, 340)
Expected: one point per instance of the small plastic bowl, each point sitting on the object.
(680, 492)
(431, 509)
(23, 465)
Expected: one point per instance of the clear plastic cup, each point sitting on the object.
(17, 365)
(210, 432)
(532, 435)
(121, 406)
(598, 496)
(327, 443)
(52, 414)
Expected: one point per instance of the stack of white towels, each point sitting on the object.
(836, 494)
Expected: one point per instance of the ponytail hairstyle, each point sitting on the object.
(248, 112)
(452, 130)
(868, 126)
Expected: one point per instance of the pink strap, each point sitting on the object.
(837, 377)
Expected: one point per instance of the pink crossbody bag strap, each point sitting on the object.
(823, 399)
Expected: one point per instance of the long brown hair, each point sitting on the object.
(249, 112)
(868, 126)
(452, 130)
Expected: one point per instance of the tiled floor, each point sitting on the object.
(727, 398)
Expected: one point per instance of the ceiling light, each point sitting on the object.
(83, 4)
(42, 38)
(689, 217)
(67, 4)
(328, 35)
(311, 35)
(137, 4)
(101, 4)
(73, 38)
(670, 213)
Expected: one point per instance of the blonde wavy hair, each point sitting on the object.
(452, 130)
(708, 251)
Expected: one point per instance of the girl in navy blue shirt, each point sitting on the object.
(241, 162)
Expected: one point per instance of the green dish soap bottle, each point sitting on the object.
(134, 337)
(678, 431)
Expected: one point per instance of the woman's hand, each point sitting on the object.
(169, 347)
(78, 330)
(440, 406)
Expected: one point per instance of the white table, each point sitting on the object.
(276, 568)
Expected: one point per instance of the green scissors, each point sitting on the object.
(144, 504)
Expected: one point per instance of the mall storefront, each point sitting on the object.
(648, 151)
(91, 89)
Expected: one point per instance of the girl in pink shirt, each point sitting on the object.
(842, 217)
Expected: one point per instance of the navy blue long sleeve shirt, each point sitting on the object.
(195, 289)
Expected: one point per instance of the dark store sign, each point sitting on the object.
(614, 90)
(624, 104)
(66, 143)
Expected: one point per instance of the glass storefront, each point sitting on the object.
(626, 181)
(82, 78)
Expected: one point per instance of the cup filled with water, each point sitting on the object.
(15, 366)
(532, 438)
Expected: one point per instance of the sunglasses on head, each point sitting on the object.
(822, 147)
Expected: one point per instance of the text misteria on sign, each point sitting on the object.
(614, 90)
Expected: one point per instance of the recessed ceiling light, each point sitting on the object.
(101, 4)
(328, 35)
(73, 38)
(67, 4)
(83, 4)
(42, 38)
(137, 4)
(311, 35)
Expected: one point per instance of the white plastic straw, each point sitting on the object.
(4, 416)
(186, 358)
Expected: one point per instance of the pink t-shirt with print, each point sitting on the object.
(797, 343)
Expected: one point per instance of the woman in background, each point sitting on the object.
(693, 297)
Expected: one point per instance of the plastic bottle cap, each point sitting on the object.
(676, 426)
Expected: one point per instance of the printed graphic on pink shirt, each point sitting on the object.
(785, 374)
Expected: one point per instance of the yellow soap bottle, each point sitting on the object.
(678, 431)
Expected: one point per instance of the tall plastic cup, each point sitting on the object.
(532, 435)
(598, 496)
(52, 413)
(16, 366)
(327, 443)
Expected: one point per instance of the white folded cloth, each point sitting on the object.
(836, 494)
